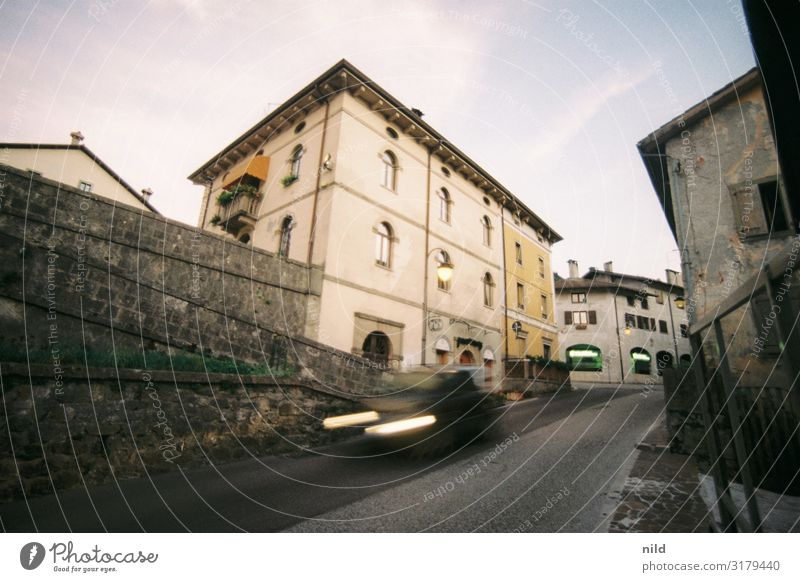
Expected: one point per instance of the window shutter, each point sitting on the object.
(748, 212)
(567, 318)
(652, 324)
(592, 317)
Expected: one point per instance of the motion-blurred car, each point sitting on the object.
(426, 411)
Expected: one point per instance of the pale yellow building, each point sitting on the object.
(75, 165)
(345, 178)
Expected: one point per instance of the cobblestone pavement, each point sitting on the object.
(661, 493)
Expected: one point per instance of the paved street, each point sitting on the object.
(548, 467)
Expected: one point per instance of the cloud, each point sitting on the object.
(581, 108)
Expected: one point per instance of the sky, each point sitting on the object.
(549, 97)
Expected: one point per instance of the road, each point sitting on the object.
(548, 467)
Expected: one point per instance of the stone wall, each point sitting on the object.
(79, 271)
(130, 423)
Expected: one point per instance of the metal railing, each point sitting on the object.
(751, 432)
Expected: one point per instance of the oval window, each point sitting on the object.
(446, 171)
(300, 127)
(391, 133)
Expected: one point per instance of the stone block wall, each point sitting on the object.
(130, 423)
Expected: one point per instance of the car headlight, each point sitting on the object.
(401, 425)
(350, 419)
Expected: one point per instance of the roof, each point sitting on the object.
(618, 281)
(92, 156)
(343, 76)
(652, 148)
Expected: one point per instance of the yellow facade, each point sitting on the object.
(530, 322)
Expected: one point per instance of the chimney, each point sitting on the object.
(77, 138)
(417, 112)
(674, 278)
(146, 193)
(608, 266)
(573, 269)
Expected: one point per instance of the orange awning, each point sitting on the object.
(258, 167)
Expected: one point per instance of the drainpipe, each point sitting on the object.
(319, 175)
(619, 341)
(672, 323)
(425, 264)
(675, 186)
(505, 278)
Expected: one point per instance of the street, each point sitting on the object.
(548, 467)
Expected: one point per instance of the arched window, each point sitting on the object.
(442, 258)
(585, 358)
(444, 205)
(488, 290)
(297, 156)
(487, 231)
(389, 173)
(286, 236)
(383, 244)
(377, 347)
(640, 360)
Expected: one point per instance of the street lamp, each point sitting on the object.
(680, 302)
(444, 271)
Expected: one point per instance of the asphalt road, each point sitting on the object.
(548, 466)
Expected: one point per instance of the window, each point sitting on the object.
(286, 236)
(383, 244)
(446, 171)
(580, 318)
(664, 360)
(84, 186)
(389, 174)
(685, 360)
(585, 358)
(377, 347)
(547, 350)
(764, 208)
(488, 290)
(541, 267)
(297, 155)
(630, 320)
(631, 300)
(391, 133)
(544, 306)
(642, 322)
(441, 258)
(487, 231)
(684, 330)
(520, 295)
(640, 360)
(643, 302)
(444, 205)
(662, 326)
(579, 297)
(297, 129)
(518, 252)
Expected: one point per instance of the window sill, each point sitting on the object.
(389, 189)
(384, 267)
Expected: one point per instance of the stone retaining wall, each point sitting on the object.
(128, 423)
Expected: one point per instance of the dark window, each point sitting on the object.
(286, 236)
(630, 320)
(377, 347)
(567, 318)
(296, 158)
(664, 360)
(391, 133)
(592, 317)
(662, 326)
(630, 299)
(771, 202)
(643, 301)
(684, 330)
(652, 324)
(642, 322)
(298, 128)
(518, 252)
(446, 171)
(546, 350)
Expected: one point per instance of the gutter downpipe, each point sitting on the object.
(319, 176)
(425, 264)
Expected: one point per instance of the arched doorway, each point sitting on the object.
(585, 358)
(686, 360)
(664, 360)
(640, 358)
(377, 347)
(466, 358)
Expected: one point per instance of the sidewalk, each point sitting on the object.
(662, 492)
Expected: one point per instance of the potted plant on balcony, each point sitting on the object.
(215, 220)
(225, 197)
(289, 180)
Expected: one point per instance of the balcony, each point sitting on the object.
(238, 209)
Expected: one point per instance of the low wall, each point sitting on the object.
(129, 423)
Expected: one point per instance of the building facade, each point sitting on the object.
(716, 173)
(620, 328)
(76, 165)
(530, 323)
(405, 230)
